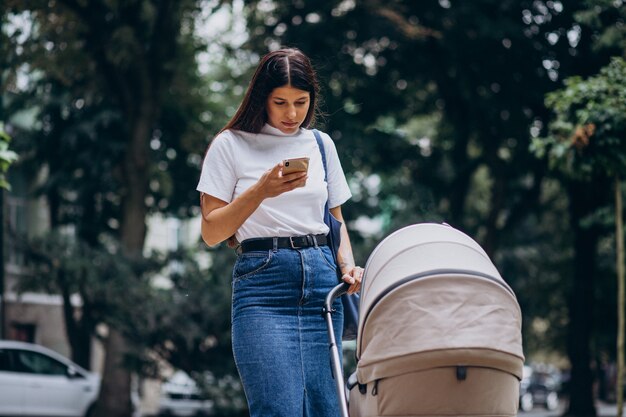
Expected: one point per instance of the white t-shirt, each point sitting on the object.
(236, 160)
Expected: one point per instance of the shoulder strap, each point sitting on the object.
(320, 144)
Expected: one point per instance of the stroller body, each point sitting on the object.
(439, 330)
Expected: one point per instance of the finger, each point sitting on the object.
(276, 171)
(349, 279)
(290, 186)
(359, 273)
(302, 182)
(272, 173)
(298, 182)
(294, 176)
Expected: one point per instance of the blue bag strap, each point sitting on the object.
(320, 144)
(328, 220)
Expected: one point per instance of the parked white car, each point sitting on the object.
(181, 396)
(36, 381)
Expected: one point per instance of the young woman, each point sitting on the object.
(284, 268)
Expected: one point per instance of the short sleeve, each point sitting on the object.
(218, 177)
(338, 189)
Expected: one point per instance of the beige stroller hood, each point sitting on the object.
(439, 329)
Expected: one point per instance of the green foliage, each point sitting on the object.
(586, 142)
(190, 323)
(7, 157)
(429, 103)
(192, 327)
(587, 137)
(71, 266)
(605, 17)
(115, 93)
(431, 106)
(176, 310)
(475, 67)
(541, 253)
(81, 127)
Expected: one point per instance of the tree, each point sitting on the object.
(445, 126)
(109, 70)
(7, 157)
(433, 106)
(588, 139)
(446, 137)
(191, 329)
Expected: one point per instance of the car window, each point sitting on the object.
(36, 363)
(5, 360)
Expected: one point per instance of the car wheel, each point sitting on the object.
(552, 401)
(526, 402)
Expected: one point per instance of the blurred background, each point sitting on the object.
(505, 119)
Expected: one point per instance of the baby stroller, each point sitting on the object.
(439, 330)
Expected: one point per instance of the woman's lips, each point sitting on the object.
(290, 124)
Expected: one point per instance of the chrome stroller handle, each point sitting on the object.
(335, 293)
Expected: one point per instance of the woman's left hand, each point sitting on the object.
(353, 276)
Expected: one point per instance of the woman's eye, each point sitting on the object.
(279, 103)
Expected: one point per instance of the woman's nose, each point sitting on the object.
(291, 112)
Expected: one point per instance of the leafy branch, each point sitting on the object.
(7, 157)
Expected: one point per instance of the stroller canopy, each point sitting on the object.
(431, 297)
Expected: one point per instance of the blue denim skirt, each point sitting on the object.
(279, 335)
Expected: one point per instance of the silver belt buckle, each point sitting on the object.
(292, 244)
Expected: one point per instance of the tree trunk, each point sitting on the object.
(457, 114)
(78, 336)
(460, 185)
(583, 201)
(619, 240)
(115, 398)
(136, 174)
(498, 193)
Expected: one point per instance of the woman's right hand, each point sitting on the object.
(273, 183)
(220, 219)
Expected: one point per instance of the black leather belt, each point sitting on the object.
(293, 242)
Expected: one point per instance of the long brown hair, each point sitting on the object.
(284, 67)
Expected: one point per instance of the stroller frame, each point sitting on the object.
(336, 365)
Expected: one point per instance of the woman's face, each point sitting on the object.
(287, 107)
